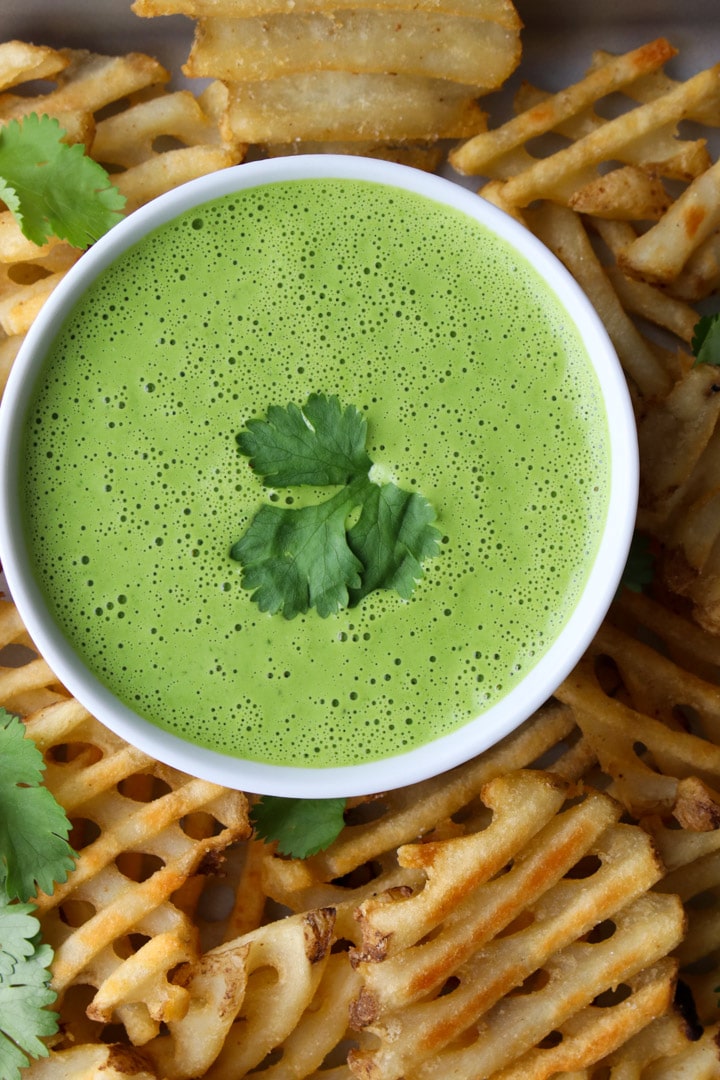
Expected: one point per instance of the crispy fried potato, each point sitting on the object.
(558, 175)
(481, 153)
(627, 193)
(113, 924)
(502, 933)
(472, 51)
(564, 233)
(660, 254)
(338, 105)
(129, 137)
(87, 1062)
(148, 144)
(87, 83)
(21, 62)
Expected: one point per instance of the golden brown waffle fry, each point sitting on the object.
(527, 927)
(22, 62)
(247, 997)
(345, 106)
(645, 758)
(621, 231)
(660, 254)
(144, 182)
(482, 154)
(128, 138)
(644, 253)
(165, 141)
(403, 815)
(113, 924)
(26, 282)
(559, 175)
(659, 1040)
(88, 1062)
(698, 1061)
(86, 84)
(563, 231)
(333, 73)
(473, 51)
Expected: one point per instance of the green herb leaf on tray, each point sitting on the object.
(53, 188)
(301, 827)
(34, 854)
(25, 993)
(34, 848)
(640, 565)
(706, 340)
(295, 559)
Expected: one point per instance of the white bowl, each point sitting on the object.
(448, 748)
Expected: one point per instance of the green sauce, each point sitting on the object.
(476, 392)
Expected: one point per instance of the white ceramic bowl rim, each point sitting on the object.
(444, 752)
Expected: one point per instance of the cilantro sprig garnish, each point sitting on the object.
(53, 188)
(34, 854)
(301, 827)
(705, 342)
(295, 559)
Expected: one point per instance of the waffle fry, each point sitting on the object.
(483, 154)
(645, 251)
(331, 106)
(129, 138)
(114, 926)
(493, 937)
(22, 62)
(86, 83)
(408, 813)
(240, 1012)
(564, 233)
(115, 1062)
(560, 174)
(321, 72)
(661, 253)
(474, 51)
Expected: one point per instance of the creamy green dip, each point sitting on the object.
(477, 393)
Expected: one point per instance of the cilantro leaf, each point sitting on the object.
(34, 849)
(52, 187)
(296, 559)
(311, 557)
(302, 827)
(24, 988)
(706, 340)
(391, 538)
(320, 444)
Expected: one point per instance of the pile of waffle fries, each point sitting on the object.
(548, 909)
